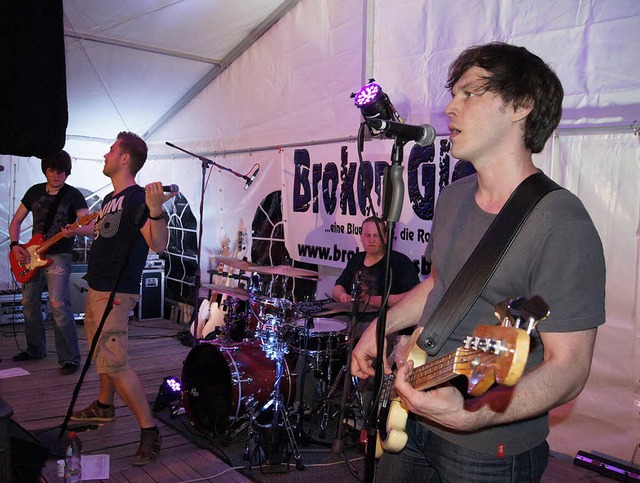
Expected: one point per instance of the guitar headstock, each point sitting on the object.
(225, 247)
(521, 312)
(241, 244)
(493, 354)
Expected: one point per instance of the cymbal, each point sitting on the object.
(287, 271)
(235, 292)
(346, 308)
(237, 263)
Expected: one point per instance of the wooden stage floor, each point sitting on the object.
(40, 400)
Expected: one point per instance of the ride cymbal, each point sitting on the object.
(346, 308)
(236, 263)
(287, 271)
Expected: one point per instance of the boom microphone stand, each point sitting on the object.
(206, 163)
(392, 201)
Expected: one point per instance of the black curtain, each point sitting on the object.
(33, 89)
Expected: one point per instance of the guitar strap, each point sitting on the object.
(483, 261)
(54, 207)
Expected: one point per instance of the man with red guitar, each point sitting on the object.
(55, 206)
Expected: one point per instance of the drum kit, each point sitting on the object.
(242, 374)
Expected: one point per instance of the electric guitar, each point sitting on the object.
(495, 354)
(219, 301)
(205, 307)
(37, 247)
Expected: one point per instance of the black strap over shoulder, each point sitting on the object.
(53, 209)
(482, 263)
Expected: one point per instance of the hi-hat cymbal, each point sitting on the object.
(235, 292)
(346, 308)
(287, 271)
(236, 263)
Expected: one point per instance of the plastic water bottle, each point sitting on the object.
(72, 462)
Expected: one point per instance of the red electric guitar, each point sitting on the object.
(37, 247)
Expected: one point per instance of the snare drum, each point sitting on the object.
(324, 338)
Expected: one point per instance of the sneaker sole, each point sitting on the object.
(92, 420)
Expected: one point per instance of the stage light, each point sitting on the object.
(374, 103)
(169, 395)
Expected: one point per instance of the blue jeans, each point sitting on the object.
(430, 458)
(56, 277)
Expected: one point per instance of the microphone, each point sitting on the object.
(250, 179)
(172, 188)
(423, 135)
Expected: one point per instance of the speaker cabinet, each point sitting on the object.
(78, 289)
(22, 456)
(151, 304)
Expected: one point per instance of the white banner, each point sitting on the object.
(327, 193)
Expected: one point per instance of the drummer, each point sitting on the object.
(368, 268)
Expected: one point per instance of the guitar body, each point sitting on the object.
(25, 272)
(392, 437)
(37, 247)
(494, 355)
(220, 306)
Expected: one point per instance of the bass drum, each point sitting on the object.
(222, 384)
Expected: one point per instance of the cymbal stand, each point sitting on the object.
(338, 442)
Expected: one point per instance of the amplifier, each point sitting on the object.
(11, 307)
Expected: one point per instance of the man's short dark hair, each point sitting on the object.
(59, 162)
(135, 147)
(519, 78)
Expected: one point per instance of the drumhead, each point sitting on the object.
(219, 380)
(207, 389)
(322, 326)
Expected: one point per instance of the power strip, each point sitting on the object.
(606, 467)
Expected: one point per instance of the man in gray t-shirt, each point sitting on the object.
(506, 102)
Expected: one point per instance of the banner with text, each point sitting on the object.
(328, 192)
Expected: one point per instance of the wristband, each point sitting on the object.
(156, 218)
(13, 244)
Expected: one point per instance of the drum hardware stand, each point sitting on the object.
(338, 443)
(299, 433)
(276, 349)
(326, 404)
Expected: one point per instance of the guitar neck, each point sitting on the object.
(84, 220)
(440, 370)
(53, 240)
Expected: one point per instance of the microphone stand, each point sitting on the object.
(206, 163)
(393, 197)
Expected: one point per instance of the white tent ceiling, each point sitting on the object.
(176, 48)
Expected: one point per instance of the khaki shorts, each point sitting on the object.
(110, 354)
